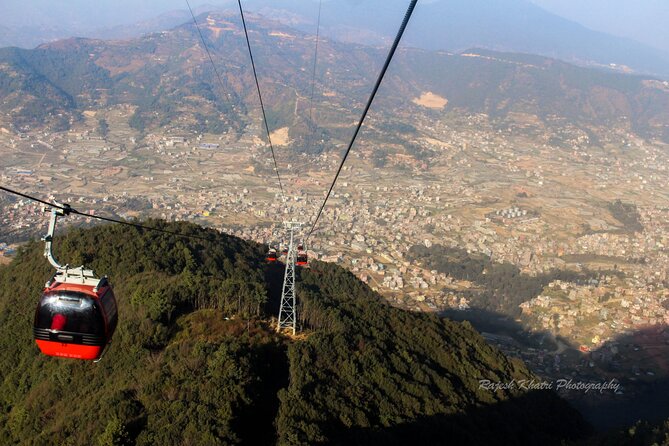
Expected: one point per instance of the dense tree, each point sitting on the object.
(103, 127)
(627, 214)
(369, 368)
(172, 374)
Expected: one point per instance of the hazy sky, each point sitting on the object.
(111, 12)
(644, 20)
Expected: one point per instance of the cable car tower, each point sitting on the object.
(287, 310)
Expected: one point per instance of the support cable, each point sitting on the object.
(206, 48)
(67, 209)
(313, 74)
(366, 110)
(262, 104)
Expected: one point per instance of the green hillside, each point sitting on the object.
(195, 361)
(374, 374)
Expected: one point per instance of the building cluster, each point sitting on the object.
(464, 194)
(593, 314)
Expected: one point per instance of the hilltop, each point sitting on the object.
(195, 361)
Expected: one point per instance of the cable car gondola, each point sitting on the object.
(77, 314)
(272, 256)
(302, 258)
(76, 317)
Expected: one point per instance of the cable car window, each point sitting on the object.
(109, 304)
(71, 312)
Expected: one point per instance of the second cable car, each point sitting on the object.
(77, 314)
(302, 258)
(272, 256)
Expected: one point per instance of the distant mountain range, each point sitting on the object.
(167, 78)
(452, 25)
(501, 25)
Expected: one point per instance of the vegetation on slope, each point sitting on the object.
(374, 374)
(627, 214)
(195, 379)
(194, 362)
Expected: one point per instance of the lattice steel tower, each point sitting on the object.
(288, 310)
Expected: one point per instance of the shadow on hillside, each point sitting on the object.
(527, 420)
(503, 325)
(274, 280)
(256, 424)
(638, 361)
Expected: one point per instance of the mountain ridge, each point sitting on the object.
(453, 25)
(165, 76)
(508, 25)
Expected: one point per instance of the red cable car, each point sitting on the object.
(75, 319)
(272, 256)
(77, 314)
(302, 258)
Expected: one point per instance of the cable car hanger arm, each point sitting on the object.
(48, 238)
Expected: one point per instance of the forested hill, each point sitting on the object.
(195, 361)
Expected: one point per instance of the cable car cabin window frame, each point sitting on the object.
(45, 321)
(110, 308)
